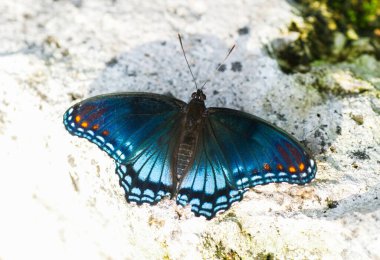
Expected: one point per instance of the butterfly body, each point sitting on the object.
(193, 121)
(203, 157)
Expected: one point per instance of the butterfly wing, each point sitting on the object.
(238, 151)
(256, 152)
(206, 186)
(135, 129)
(147, 177)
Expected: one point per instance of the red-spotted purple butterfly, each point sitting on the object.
(205, 157)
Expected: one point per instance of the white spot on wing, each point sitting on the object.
(311, 162)
(110, 146)
(234, 193)
(255, 177)
(100, 138)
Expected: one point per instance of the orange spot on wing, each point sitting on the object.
(77, 119)
(292, 169)
(301, 166)
(95, 127)
(267, 167)
(280, 167)
(105, 132)
(84, 124)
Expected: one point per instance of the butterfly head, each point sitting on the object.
(196, 107)
(198, 95)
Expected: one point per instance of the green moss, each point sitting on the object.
(222, 253)
(331, 204)
(219, 250)
(265, 256)
(361, 15)
(359, 119)
(332, 31)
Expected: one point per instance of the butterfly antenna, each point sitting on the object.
(220, 65)
(187, 62)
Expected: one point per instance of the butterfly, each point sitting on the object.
(203, 157)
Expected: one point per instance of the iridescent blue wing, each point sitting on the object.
(136, 130)
(256, 152)
(237, 151)
(206, 186)
(147, 177)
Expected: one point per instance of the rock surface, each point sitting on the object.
(59, 195)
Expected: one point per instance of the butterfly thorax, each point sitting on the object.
(195, 113)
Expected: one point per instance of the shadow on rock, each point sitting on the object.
(249, 81)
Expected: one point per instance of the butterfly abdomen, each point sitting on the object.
(184, 155)
(189, 136)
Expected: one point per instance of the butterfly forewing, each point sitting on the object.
(138, 131)
(257, 152)
(120, 124)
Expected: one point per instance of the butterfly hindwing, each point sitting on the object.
(257, 152)
(206, 186)
(147, 177)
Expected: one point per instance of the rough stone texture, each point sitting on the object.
(59, 195)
